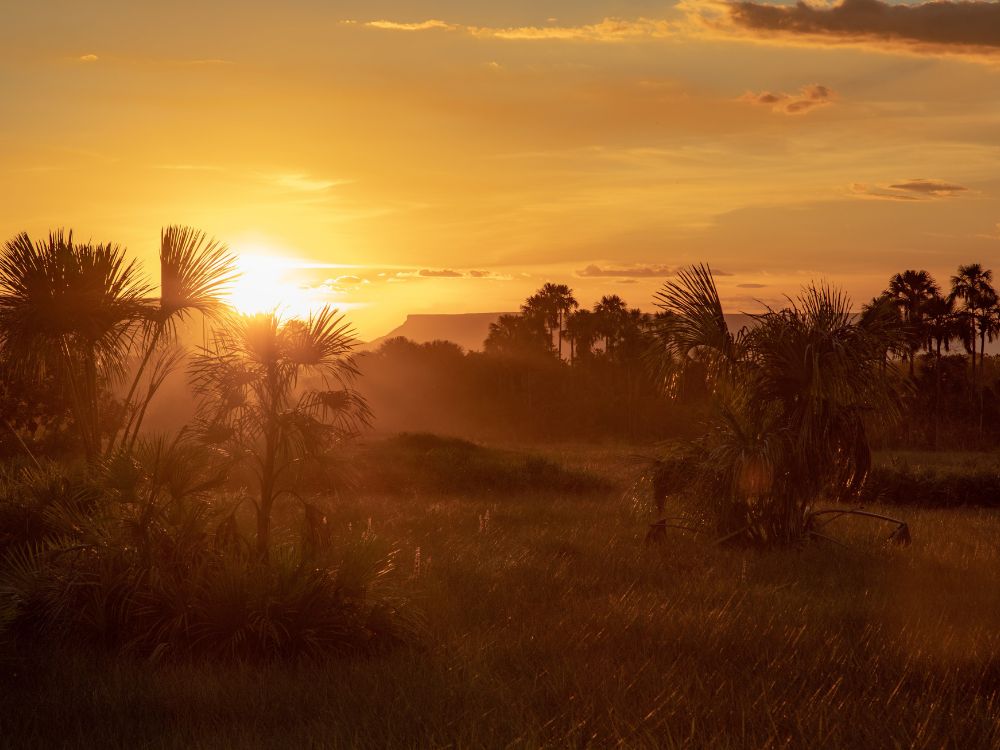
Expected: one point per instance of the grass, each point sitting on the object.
(941, 480)
(549, 623)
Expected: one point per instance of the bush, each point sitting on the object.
(155, 565)
(421, 462)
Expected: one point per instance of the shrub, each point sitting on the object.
(156, 565)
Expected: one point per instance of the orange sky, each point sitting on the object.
(452, 156)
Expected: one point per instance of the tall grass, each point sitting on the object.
(550, 624)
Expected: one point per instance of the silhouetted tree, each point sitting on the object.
(973, 284)
(912, 291)
(257, 407)
(793, 392)
(519, 335)
(553, 302)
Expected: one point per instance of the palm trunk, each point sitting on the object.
(937, 398)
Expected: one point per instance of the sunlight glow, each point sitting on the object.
(268, 283)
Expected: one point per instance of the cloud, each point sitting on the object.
(933, 188)
(444, 273)
(644, 272)
(304, 183)
(909, 190)
(751, 286)
(806, 99)
(89, 58)
(604, 31)
(418, 26)
(936, 26)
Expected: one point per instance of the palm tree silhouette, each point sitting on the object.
(611, 312)
(553, 302)
(973, 284)
(911, 291)
(793, 394)
(68, 309)
(83, 313)
(275, 393)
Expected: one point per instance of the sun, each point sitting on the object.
(262, 285)
(270, 282)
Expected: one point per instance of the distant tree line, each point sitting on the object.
(558, 370)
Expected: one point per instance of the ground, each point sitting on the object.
(546, 621)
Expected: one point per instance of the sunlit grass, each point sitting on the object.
(550, 623)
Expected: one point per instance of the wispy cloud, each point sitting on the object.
(910, 190)
(636, 271)
(305, 183)
(604, 31)
(970, 28)
(89, 58)
(804, 100)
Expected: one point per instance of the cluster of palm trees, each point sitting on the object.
(969, 312)
(552, 316)
(272, 391)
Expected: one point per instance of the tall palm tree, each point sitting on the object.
(554, 302)
(70, 309)
(973, 284)
(942, 327)
(611, 312)
(581, 330)
(911, 291)
(195, 273)
(276, 392)
(794, 394)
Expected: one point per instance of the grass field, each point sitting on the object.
(546, 621)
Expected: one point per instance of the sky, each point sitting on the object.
(394, 157)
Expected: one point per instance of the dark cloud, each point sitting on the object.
(933, 188)
(939, 24)
(807, 98)
(910, 190)
(752, 286)
(644, 272)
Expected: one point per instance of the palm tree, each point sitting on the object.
(911, 291)
(519, 335)
(942, 326)
(70, 309)
(195, 273)
(83, 313)
(973, 284)
(611, 312)
(275, 393)
(794, 394)
(553, 302)
(581, 330)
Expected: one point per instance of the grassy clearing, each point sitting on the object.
(549, 623)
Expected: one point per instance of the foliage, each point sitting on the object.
(81, 314)
(151, 561)
(794, 394)
(261, 410)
